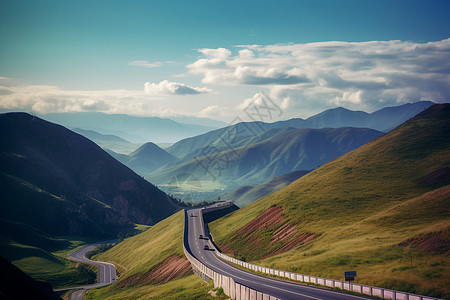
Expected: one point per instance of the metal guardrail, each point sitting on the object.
(359, 288)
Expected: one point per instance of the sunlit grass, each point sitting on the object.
(140, 253)
(54, 267)
(363, 205)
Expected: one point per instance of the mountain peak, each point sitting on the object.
(151, 150)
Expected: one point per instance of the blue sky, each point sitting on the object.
(211, 58)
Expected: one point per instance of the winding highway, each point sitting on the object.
(106, 271)
(274, 287)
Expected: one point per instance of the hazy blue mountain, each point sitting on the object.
(384, 119)
(337, 117)
(249, 193)
(131, 128)
(199, 121)
(389, 118)
(145, 159)
(281, 151)
(62, 183)
(95, 136)
(108, 141)
(234, 135)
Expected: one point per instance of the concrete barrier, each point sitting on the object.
(234, 290)
(363, 289)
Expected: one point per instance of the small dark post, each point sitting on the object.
(350, 276)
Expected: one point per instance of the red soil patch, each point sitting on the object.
(268, 218)
(432, 243)
(171, 268)
(284, 233)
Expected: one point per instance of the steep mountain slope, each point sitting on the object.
(248, 194)
(230, 137)
(281, 151)
(62, 183)
(382, 210)
(134, 129)
(145, 159)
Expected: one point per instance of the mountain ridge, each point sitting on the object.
(73, 176)
(279, 152)
(132, 128)
(332, 118)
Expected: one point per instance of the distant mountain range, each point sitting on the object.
(62, 183)
(131, 128)
(108, 141)
(272, 153)
(232, 136)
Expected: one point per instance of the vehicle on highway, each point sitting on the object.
(206, 247)
(201, 236)
(192, 214)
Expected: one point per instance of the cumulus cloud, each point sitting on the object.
(173, 88)
(365, 75)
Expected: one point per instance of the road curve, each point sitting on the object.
(106, 271)
(277, 288)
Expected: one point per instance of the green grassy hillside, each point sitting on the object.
(152, 265)
(248, 194)
(382, 210)
(43, 257)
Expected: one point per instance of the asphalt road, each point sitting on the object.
(106, 271)
(278, 288)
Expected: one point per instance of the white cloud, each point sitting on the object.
(259, 108)
(219, 53)
(364, 75)
(215, 111)
(173, 88)
(45, 99)
(144, 63)
(5, 91)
